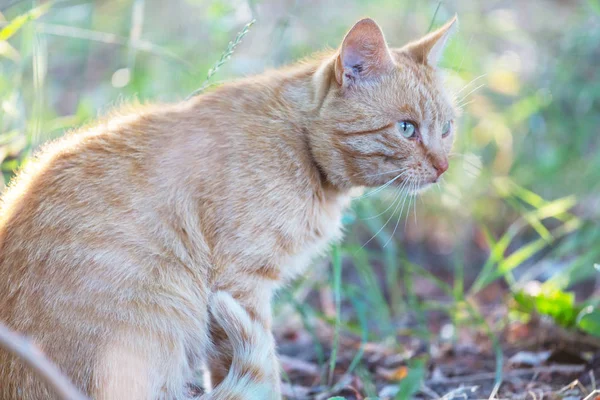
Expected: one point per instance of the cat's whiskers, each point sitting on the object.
(463, 105)
(380, 188)
(386, 172)
(407, 213)
(398, 192)
(407, 194)
(415, 202)
(397, 202)
(468, 84)
(441, 182)
(468, 94)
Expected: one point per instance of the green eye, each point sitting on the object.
(446, 128)
(407, 129)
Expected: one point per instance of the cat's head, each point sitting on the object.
(385, 114)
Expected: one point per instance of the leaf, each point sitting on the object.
(555, 303)
(17, 23)
(588, 320)
(525, 301)
(413, 380)
(393, 375)
(559, 305)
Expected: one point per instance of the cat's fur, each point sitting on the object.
(115, 239)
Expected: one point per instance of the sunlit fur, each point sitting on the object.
(136, 249)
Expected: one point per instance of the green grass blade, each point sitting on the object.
(337, 290)
(19, 22)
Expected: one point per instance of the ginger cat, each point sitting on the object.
(138, 249)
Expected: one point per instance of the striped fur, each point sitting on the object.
(252, 371)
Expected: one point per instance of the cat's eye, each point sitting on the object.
(407, 129)
(446, 128)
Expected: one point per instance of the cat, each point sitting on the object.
(138, 249)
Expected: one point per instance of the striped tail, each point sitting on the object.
(253, 374)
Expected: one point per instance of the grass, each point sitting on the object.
(519, 204)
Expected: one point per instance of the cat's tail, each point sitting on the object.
(252, 373)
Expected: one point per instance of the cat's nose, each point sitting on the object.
(440, 166)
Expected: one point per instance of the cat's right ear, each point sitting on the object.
(364, 54)
(428, 50)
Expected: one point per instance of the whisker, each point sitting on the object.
(380, 188)
(387, 172)
(398, 192)
(415, 202)
(469, 84)
(397, 200)
(461, 106)
(407, 213)
(471, 92)
(397, 222)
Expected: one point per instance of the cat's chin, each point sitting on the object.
(422, 188)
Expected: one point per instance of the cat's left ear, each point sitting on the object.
(429, 49)
(364, 54)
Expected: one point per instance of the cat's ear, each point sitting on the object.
(429, 49)
(364, 55)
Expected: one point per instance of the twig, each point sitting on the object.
(560, 368)
(460, 392)
(495, 390)
(550, 333)
(573, 385)
(224, 57)
(429, 392)
(295, 364)
(31, 356)
(591, 395)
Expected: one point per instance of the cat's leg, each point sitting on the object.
(253, 370)
(138, 365)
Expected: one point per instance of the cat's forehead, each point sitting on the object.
(420, 89)
(412, 92)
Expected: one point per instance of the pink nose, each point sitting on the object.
(440, 166)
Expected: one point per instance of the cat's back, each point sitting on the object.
(79, 243)
(80, 174)
(84, 203)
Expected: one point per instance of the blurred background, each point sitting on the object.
(508, 239)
